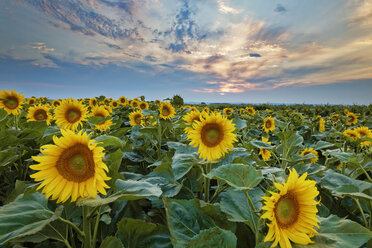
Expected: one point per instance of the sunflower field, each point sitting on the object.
(104, 172)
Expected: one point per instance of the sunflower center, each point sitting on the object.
(211, 134)
(268, 124)
(100, 115)
(76, 163)
(286, 210)
(165, 111)
(11, 102)
(40, 115)
(31, 101)
(94, 102)
(73, 115)
(137, 119)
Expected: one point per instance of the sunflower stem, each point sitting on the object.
(362, 212)
(77, 229)
(96, 226)
(86, 227)
(365, 172)
(159, 137)
(254, 210)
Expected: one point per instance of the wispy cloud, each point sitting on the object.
(232, 49)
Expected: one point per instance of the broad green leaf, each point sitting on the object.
(141, 234)
(213, 237)
(219, 217)
(239, 123)
(322, 145)
(235, 204)
(7, 157)
(25, 216)
(343, 156)
(344, 185)
(107, 141)
(260, 144)
(236, 154)
(98, 119)
(183, 159)
(51, 130)
(127, 190)
(339, 233)
(292, 138)
(111, 242)
(185, 220)
(239, 176)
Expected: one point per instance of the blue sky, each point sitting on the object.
(211, 50)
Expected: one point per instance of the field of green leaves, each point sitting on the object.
(129, 173)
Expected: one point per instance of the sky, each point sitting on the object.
(313, 52)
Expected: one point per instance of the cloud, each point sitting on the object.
(228, 47)
(280, 8)
(224, 8)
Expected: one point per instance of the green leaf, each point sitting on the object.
(141, 234)
(292, 138)
(185, 220)
(25, 216)
(7, 157)
(339, 233)
(322, 145)
(260, 144)
(213, 237)
(235, 204)
(343, 185)
(98, 119)
(127, 190)
(343, 156)
(51, 130)
(239, 123)
(239, 176)
(107, 141)
(183, 159)
(111, 242)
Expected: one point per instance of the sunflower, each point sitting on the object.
(194, 108)
(308, 151)
(12, 103)
(70, 114)
(31, 101)
(143, 105)
(114, 104)
(353, 119)
(93, 102)
(266, 154)
(250, 111)
(72, 167)
(122, 100)
(166, 110)
(206, 109)
(292, 211)
(318, 117)
(107, 101)
(39, 113)
(214, 136)
(269, 124)
(241, 111)
(346, 111)
(108, 108)
(134, 103)
(321, 125)
(56, 103)
(228, 111)
(157, 101)
(335, 118)
(147, 121)
(102, 112)
(136, 118)
(364, 132)
(351, 134)
(190, 118)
